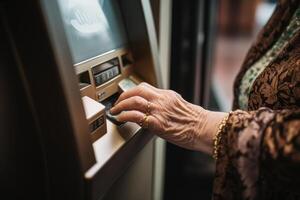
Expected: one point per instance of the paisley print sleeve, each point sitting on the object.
(259, 154)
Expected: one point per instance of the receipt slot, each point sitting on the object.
(75, 58)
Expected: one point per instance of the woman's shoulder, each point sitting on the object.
(266, 38)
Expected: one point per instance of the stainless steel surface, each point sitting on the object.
(149, 20)
(139, 172)
(140, 27)
(107, 146)
(165, 23)
(68, 77)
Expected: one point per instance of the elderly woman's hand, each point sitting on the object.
(169, 116)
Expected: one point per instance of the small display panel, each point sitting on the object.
(106, 71)
(93, 27)
(96, 124)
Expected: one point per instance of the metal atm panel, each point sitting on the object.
(77, 167)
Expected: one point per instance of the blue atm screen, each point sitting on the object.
(93, 27)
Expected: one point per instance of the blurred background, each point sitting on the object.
(239, 21)
(213, 36)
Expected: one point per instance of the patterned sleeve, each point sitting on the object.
(259, 154)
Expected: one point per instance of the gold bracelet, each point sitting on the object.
(217, 136)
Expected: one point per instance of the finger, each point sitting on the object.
(144, 84)
(138, 117)
(153, 124)
(132, 103)
(140, 90)
(131, 116)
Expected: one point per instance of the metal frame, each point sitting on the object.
(45, 61)
(191, 60)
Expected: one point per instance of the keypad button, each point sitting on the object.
(103, 77)
(98, 80)
(111, 73)
(108, 73)
(115, 71)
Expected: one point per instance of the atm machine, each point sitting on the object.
(73, 58)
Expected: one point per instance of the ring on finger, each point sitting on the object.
(144, 122)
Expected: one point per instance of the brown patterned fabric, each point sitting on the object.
(266, 38)
(260, 148)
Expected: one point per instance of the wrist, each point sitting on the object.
(218, 136)
(208, 123)
(213, 121)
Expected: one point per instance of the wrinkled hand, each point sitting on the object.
(170, 117)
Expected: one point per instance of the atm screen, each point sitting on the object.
(93, 27)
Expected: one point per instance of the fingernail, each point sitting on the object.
(116, 102)
(111, 110)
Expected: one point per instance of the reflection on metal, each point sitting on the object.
(153, 40)
(165, 23)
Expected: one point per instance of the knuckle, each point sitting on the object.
(172, 92)
(143, 84)
(154, 108)
(174, 95)
(139, 101)
(136, 116)
(139, 89)
(136, 101)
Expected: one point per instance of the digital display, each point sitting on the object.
(106, 71)
(96, 124)
(93, 27)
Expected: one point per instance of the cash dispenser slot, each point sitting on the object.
(124, 85)
(109, 103)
